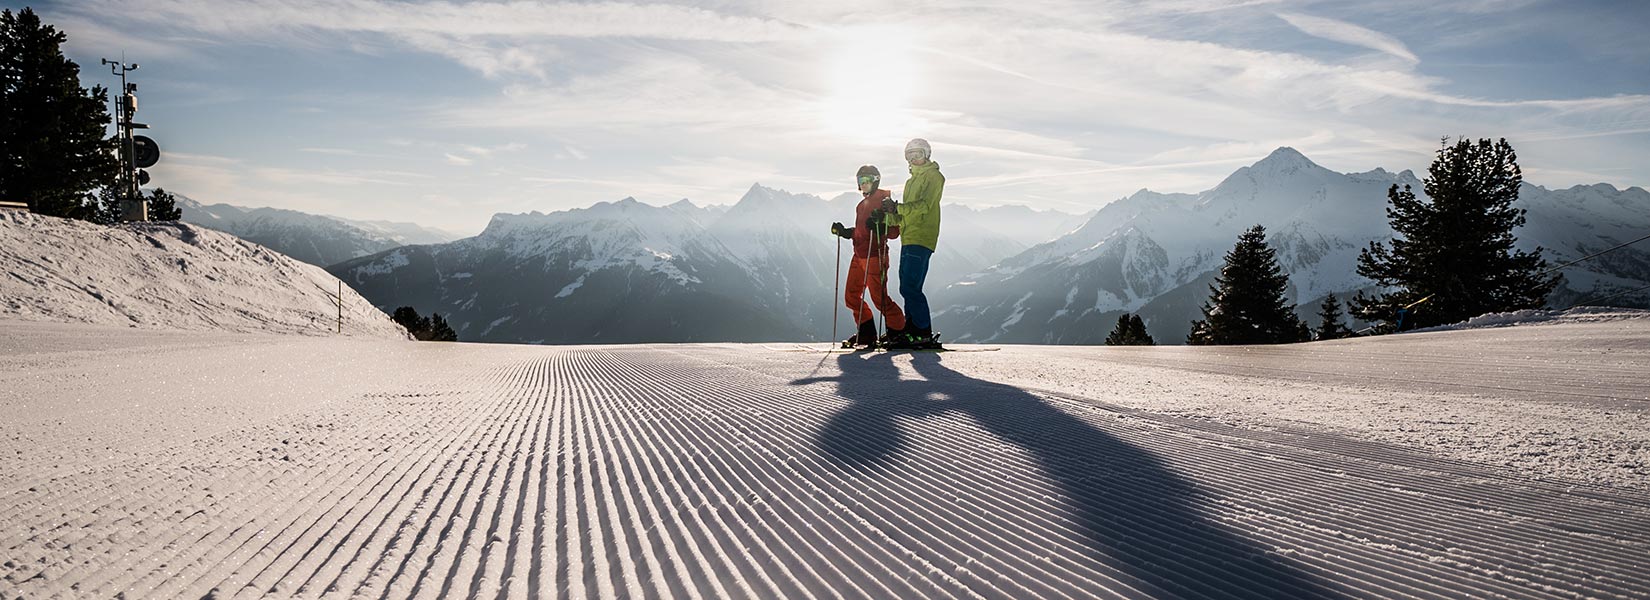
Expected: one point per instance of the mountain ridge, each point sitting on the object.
(1155, 253)
(320, 240)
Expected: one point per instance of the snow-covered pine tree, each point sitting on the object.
(1330, 313)
(1453, 257)
(1246, 303)
(53, 147)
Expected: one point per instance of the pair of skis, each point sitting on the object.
(930, 344)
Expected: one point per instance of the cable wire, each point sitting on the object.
(1594, 255)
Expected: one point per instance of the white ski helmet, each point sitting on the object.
(917, 150)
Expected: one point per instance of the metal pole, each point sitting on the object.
(836, 288)
(340, 306)
(132, 206)
(871, 236)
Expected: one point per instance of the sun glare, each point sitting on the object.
(870, 74)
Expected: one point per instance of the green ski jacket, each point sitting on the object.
(919, 214)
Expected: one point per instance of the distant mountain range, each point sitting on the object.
(759, 270)
(1156, 254)
(762, 270)
(315, 239)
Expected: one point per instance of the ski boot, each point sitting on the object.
(864, 339)
(917, 339)
(928, 340)
(891, 338)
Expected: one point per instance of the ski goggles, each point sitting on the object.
(864, 179)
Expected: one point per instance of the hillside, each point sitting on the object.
(168, 276)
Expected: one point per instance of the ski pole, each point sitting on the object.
(836, 286)
(870, 236)
(882, 274)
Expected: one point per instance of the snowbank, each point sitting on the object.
(1580, 314)
(168, 276)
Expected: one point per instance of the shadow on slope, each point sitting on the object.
(1131, 512)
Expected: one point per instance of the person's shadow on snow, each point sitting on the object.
(1137, 518)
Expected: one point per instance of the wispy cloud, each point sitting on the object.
(1062, 102)
(493, 38)
(513, 19)
(1350, 34)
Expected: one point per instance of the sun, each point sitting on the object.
(870, 75)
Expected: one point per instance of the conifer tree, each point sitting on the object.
(1330, 313)
(409, 319)
(1130, 331)
(440, 331)
(1119, 335)
(433, 328)
(1137, 332)
(54, 148)
(1246, 303)
(1452, 257)
(163, 206)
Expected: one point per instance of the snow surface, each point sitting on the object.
(1506, 462)
(168, 276)
(1580, 314)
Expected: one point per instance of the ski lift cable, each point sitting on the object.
(1594, 255)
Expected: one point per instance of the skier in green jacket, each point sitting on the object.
(919, 219)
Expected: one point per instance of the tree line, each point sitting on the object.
(1451, 258)
(56, 154)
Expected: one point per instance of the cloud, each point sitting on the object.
(1350, 34)
(257, 18)
(1072, 101)
(493, 38)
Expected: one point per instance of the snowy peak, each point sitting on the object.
(1285, 162)
(761, 199)
(1281, 165)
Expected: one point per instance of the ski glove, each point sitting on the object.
(888, 205)
(878, 222)
(844, 232)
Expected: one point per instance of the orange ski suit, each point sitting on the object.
(869, 268)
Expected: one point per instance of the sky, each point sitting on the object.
(444, 113)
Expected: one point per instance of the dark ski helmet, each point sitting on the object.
(868, 174)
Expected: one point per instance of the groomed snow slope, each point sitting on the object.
(284, 466)
(168, 276)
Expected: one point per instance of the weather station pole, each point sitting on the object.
(136, 152)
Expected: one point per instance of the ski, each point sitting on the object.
(839, 350)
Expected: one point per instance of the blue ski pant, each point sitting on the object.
(913, 271)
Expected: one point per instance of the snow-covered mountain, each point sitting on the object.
(169, 276)
(759, 270)
(612, 273)
(315, 239)
(1155, 254)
